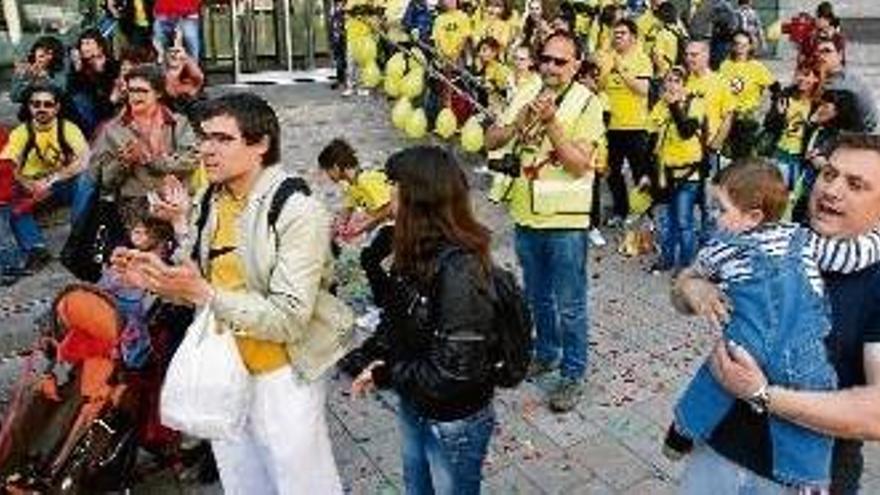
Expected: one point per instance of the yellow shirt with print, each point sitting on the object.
(748, 80)
(45, 157)
(582, 125)
(796, 116)
(673, 151)
(647, 24)
(450, 33)
(227, 272)
(629, 110)
(370, 191)
(717, 99)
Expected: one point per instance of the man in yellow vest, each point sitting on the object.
(551, 131)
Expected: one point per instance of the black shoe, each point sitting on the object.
(37, 259)
(676, 445)
(7, 280)
(658, 267)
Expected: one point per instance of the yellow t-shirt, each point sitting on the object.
(450, 33)
(672, 150)
(370, 191)
(796, 116)
(582, 124)
(45, 157)
(227, 272)
(748, 80)
(647, 24)
(629, 110)
(665, 50)
(717, 98)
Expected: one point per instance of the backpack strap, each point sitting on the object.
(204, 208)
(288, 187)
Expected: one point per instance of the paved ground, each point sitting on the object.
(641, 352)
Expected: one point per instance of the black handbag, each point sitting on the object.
(94, 236)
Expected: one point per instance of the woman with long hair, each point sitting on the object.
(432, 344)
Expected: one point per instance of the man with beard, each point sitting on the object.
(47, 154)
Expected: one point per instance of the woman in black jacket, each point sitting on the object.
(432, 344)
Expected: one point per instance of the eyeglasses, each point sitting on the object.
(557, 61)
(42, 104)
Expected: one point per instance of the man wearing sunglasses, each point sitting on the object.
(551, 131)
(47, 154)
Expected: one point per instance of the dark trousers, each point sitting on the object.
(634, 147)
(371, 261)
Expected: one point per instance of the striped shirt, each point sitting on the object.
(727, 263)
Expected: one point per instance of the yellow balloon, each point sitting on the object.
(446, 123)
(472, 135)
(371, 76)
(774, 31)
(640, 200)
(416, 124)
(392, 86)
(396, 65)
(363, 50)
(412, 84)
(400, 113)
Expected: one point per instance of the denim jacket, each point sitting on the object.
(783, 322)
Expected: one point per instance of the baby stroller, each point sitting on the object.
(72, 424)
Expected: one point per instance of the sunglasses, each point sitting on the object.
(557, 61)
(42, 104)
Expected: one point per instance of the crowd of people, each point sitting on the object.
(765, 197)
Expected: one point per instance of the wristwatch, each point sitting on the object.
(760, 400)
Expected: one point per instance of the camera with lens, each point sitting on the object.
(507, 165)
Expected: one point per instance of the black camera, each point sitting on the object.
(507, 165)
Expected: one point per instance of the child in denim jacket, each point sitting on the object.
(770, 271)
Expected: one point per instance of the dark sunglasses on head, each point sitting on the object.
(557, 61)
(42, 104)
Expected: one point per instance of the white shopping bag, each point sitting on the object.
(207, 389)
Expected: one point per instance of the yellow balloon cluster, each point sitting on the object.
(472, 135)
(396, 65)
(392, 85)
(446, 124)
(640, 200)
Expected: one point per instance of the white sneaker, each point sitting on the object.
(596, 238)
(363, 92)
(347, 92)
(370, 319)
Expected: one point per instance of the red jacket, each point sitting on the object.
(176, 8)
(6, 171)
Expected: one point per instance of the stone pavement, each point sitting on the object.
(641, 355)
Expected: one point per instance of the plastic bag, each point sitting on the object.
(207, 389)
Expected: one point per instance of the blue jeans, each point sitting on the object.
(10, 254)
(75, 191)
(790, 167)
(554, 264)
(781, 321)
(444, 457)
(190, 26)
(678, 233)
(708, 472)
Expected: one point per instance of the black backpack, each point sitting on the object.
(512, 329)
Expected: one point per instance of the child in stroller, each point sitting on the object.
(75, 425)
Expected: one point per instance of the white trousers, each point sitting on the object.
(286, 448)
